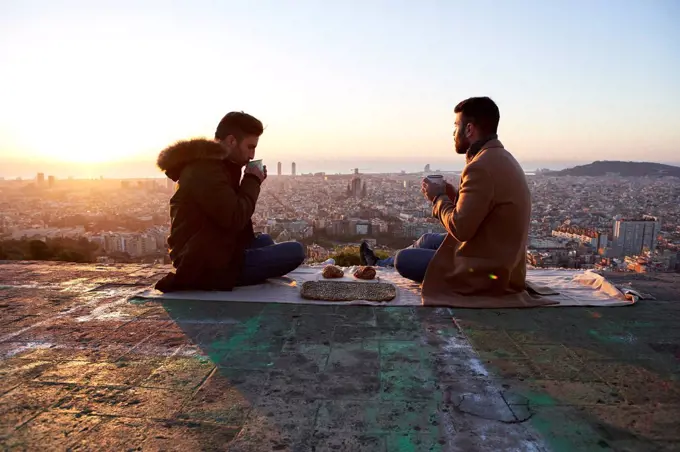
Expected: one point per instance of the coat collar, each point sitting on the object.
(490, 142)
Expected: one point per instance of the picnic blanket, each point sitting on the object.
(565, 287)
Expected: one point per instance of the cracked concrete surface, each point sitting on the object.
(84, 368)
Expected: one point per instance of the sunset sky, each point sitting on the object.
(112, 82)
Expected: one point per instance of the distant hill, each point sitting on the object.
(624, 169)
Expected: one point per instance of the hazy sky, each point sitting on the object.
(99, 81)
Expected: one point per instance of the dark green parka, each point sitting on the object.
(210, 215)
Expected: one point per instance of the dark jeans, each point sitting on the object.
(265, 259)
(412, 262)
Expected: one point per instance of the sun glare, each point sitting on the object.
(100, 138)
(76, 149)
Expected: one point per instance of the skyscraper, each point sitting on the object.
(40, 178)
(356, 187)
(293, 169)
(278, 172)
(50, 181)
(631, 237)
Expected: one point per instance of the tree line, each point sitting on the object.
(55, 249)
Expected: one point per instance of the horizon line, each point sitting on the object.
(536, 166)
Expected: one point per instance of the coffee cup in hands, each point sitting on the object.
(257, 163)
(259, 171)
(436, 179)
(433, 186)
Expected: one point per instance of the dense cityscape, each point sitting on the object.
(610, 222)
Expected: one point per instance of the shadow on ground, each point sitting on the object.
(310, 377)
(582, 378)
(609, 376)
(301, 377)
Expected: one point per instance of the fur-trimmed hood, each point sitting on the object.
(174, 158)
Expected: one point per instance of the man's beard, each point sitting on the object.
(234, 157)
(462, 144)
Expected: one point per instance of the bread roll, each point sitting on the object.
(365, 273)
(331, 271)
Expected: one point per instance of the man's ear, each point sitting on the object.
(231, 141)
(469, 129)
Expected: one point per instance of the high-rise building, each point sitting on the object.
(278, 169)
(40, 178)
(631, 237)
(50, 181)
(356, 187)
(293, 169)
(427, 168)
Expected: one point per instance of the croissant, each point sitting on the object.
(331, 271)
(365, 273)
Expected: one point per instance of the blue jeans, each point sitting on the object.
(264, 259)
(412, 262)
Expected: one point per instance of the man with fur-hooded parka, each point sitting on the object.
(210, 213)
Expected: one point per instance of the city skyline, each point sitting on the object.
(382, 89)
(630, 224)
(148, 170)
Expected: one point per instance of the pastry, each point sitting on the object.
(331, 271)
(365, 273)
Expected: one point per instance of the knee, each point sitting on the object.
(425, 238)
(433, 238)
(297, 252)
(399, 261)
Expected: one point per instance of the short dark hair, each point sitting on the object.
(480, 111)
(238, 124)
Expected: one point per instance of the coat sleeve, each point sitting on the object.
(462, 217)
(210, 187)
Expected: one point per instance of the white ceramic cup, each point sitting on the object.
(436, 179)
(256, 163)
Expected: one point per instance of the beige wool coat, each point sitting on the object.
(482, 261)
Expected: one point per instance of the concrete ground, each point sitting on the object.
(84, 368)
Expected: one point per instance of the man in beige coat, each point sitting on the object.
(481, 261)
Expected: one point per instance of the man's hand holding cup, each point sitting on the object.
(257, 169)
(433, 186)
